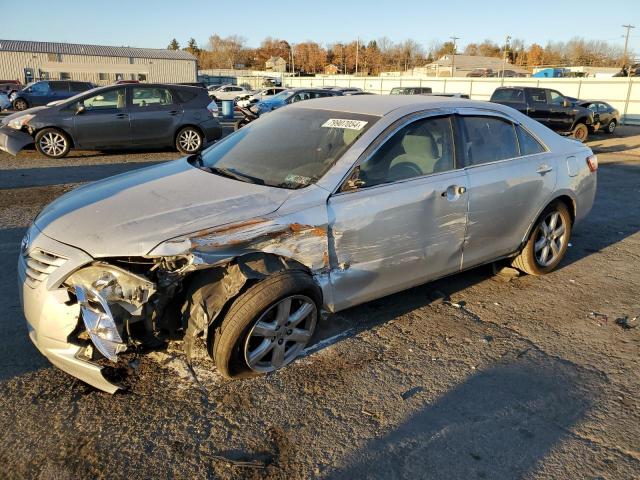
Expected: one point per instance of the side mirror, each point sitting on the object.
(354, 182)
(566, 103)
(80, 109)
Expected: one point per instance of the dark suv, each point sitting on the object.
(117, 116)
(550, 108)
(43, 92)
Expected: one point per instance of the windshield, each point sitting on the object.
(290, 148)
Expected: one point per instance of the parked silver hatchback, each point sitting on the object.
(321, 205)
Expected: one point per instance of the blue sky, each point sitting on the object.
(153, 23)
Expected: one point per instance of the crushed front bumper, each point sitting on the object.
(12, 140)
(51, 317)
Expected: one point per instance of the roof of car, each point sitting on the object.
(380, 105)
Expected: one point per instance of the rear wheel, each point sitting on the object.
(611, 127)
(52, 143)
(20, 104)
(268, 326)
(547, 243)
(580, 132)
(189, 140)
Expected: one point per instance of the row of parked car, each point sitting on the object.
(131, 114)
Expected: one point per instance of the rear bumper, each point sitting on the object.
(12, 140)
(211, 129)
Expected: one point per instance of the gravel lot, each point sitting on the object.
(513, 378)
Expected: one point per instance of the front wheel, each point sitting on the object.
(20, 104)
(189, 140)
(52, 143)
(580, 132)
(547, 243)
(611, 127)
(268, 326)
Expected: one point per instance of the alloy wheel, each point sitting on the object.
(281, 333)
(189, 140)
(20, 105)
(550, 239)
(611, 127)
(53, 144)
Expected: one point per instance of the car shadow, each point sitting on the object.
(499, 423)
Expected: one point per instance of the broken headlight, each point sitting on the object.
(98, 288)
(21, 121)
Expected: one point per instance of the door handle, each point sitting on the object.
(174, 112)
(122, 115)
(453, 191)
(544, 168)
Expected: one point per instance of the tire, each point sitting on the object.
(20, 104)
(611, 127)
(239, 340)
(189, 140)
(531, 259)
(580, 132)
(53, 143)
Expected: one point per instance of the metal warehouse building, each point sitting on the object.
(27, 61)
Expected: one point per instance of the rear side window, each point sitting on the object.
(489, 139)
(151, 97)
(528, 144)
(508, 95)
(185, 96)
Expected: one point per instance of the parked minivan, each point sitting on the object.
(46, 91)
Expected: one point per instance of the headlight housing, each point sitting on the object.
(21, 121)
(98, 288)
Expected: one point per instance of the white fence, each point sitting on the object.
(621, 93)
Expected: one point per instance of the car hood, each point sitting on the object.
(33, 110)
(131, 213)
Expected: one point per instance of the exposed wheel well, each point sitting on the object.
(566, 200)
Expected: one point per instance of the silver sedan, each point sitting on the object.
(319, 206)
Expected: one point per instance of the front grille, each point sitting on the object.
(39, 265)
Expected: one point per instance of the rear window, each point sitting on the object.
(508, 95)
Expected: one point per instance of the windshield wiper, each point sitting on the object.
(243, 177)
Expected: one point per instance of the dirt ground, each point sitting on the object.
(473, 376)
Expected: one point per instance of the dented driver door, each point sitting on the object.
(399, 233)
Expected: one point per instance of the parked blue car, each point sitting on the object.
(45, 91)
(290, 96)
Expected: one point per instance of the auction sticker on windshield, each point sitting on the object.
(345, 123)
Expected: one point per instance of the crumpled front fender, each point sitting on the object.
(12, 140)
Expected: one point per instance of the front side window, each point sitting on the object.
(528, 144)
(488, 139)
(40, 88)
(151, 97)
(420, 148)
(538, 96)
(556, 98)
(106, 100)
(290, 148)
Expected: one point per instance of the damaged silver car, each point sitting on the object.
(319, 206)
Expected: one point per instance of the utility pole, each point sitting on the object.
(453, 57)
(626, 44)
(357, 53)
(504, 55)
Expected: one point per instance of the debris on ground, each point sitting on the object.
(455, 304)
(596, 315)
(627, 324)
(411, 392)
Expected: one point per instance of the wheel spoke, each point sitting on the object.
(300, 314)
(299, 335)
(278, 355)
(544, 227)
(259, 353)
(263, 329)
(283, 312)
(558, 232)
(554, 220)
(545, 254)
(555, 248)
(540, 244)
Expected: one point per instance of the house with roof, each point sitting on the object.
(276, 64)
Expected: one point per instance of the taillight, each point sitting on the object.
(592, 162)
